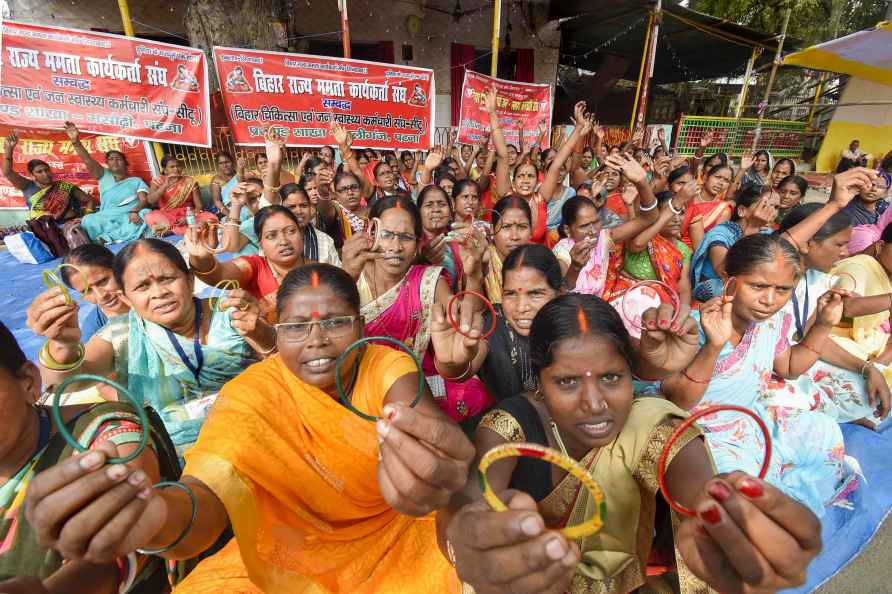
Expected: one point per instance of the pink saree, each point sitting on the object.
(404, 313)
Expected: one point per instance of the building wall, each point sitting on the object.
(371, 21)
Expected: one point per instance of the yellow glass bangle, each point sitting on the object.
(52, 279)
(534, 450)
(223, 285)
(46, 359)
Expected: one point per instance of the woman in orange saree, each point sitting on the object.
(174, 193)
(709, 207)
(320, 500)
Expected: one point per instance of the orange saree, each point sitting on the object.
(297, 473)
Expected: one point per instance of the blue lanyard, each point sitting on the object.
(199, 354)
(800, 322)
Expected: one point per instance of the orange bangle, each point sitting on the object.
(696, 381)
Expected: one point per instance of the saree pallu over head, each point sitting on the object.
(493, 277)
(864, 336)
(157, 374)
(297, 473)
(178, 194)
(54, 200)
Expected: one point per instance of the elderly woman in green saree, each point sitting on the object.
(173, 350)
(743, 535)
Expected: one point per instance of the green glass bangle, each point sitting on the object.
(191, 494)
(56, 413)
(366, 339)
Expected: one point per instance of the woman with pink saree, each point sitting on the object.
(407, 301)
(174, 193)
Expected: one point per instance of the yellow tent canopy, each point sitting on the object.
(865, 54)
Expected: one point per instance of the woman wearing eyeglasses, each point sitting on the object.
(319, 499)
(407, 301)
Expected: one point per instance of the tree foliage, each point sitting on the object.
(811, 21)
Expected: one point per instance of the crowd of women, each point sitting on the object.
(623, 291)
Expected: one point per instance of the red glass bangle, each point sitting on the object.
(373, 231)
(839, 278)
(685, 373)
(731, 282)
(636, 322)
(451, 318)
(679, 431)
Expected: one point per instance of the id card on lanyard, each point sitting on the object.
(196, 345)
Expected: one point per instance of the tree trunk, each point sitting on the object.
(256, 24)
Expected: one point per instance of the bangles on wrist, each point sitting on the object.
(46, 359)
(187, 528)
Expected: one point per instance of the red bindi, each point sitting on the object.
(583, 321)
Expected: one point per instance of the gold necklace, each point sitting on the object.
(557, 438)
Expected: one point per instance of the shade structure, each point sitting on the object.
(865, 54)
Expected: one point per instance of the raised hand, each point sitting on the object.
(195, 241)
(489, 99)
(246, 311)
(72, 131)
(511, 551)
(707, 139)
(716, 320)
(582, 251)
(580, 114)
(340, 134)
(665, 344)
(424, 459)
(850, 183)
(356, 253)
(748, 538)
(450, 347)
(687, 193)
(51, 316)
(434, 158)
(746, 160)
(633, 171)
(11, 141)
(434, 251)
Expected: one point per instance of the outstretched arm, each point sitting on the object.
(95, 169)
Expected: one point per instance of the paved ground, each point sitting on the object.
(870, 572)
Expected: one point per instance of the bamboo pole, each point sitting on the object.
(641, 72)
(496, 33)
(124, 8)
(744, 90)
(814, 104)
(774, 65)
(345, 27)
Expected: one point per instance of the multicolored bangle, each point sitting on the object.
(179, 539)
(339, 386)
(534, 450)
(679, 431)
(56, 414)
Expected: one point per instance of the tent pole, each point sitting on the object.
(814, 104)
(496, 33)
(345, 27)
(650, 49)
(124, 8)
(641, 71)
(774, 65)
(744, 90)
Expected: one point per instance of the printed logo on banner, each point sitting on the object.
(524, 110)
(382, 105)
(104, 83)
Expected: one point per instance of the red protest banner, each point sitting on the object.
(104, 83)
(56, 150)
(521, 107)
(383, 105)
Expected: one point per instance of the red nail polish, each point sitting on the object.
(711, 515)
(663, 323)
(719, 490)
(751, 488)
